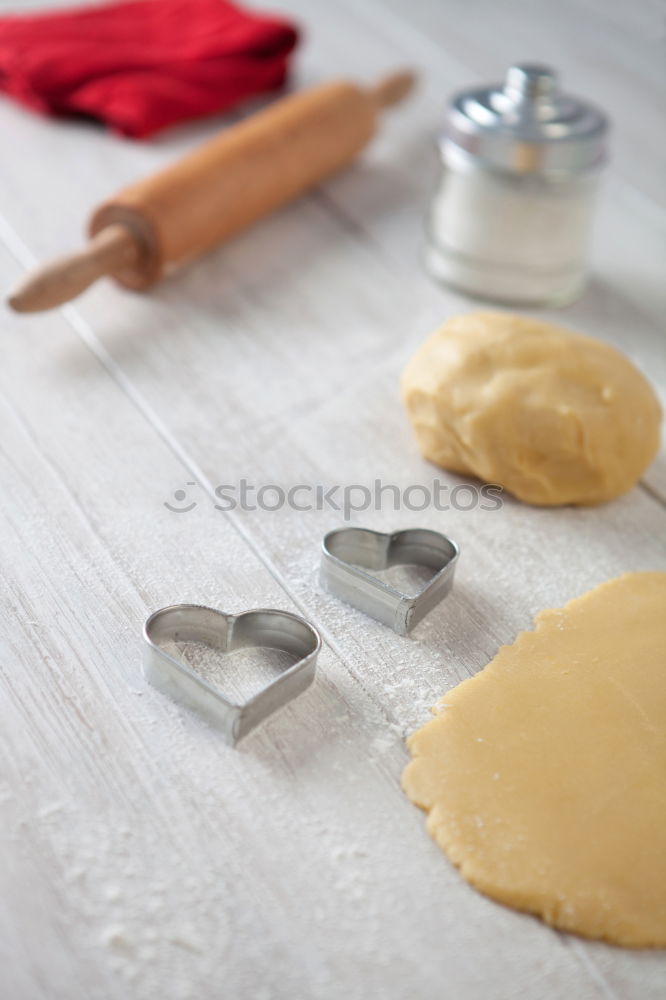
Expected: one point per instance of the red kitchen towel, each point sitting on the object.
(141, 65)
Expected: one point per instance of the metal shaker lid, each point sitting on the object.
(527, 125)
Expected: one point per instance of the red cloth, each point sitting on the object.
(143, 65)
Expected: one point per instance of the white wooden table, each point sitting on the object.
(141, 857)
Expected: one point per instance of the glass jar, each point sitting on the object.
(512, 215)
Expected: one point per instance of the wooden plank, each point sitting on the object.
(385, 196)
(383, 199)
(613, 58)
(241, 408)
(141, 854)
(220, 364)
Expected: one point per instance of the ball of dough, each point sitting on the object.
(552, 416)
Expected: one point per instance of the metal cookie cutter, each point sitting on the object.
(348, 552)
(262, 627)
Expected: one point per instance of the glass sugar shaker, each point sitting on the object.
(511, 218)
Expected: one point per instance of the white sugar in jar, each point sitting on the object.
(511, 218)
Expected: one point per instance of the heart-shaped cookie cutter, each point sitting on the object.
(348, 552)
(226, 632)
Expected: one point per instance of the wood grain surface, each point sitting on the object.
(141, 857)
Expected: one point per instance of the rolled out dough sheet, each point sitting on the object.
(544, 776)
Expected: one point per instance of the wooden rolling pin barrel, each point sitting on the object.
(218, 190)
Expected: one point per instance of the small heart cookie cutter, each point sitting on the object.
(226, 632)
(348, 552)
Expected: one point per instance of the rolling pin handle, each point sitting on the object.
(63, 279)
(393, 88)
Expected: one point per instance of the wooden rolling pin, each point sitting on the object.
(219, 189)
